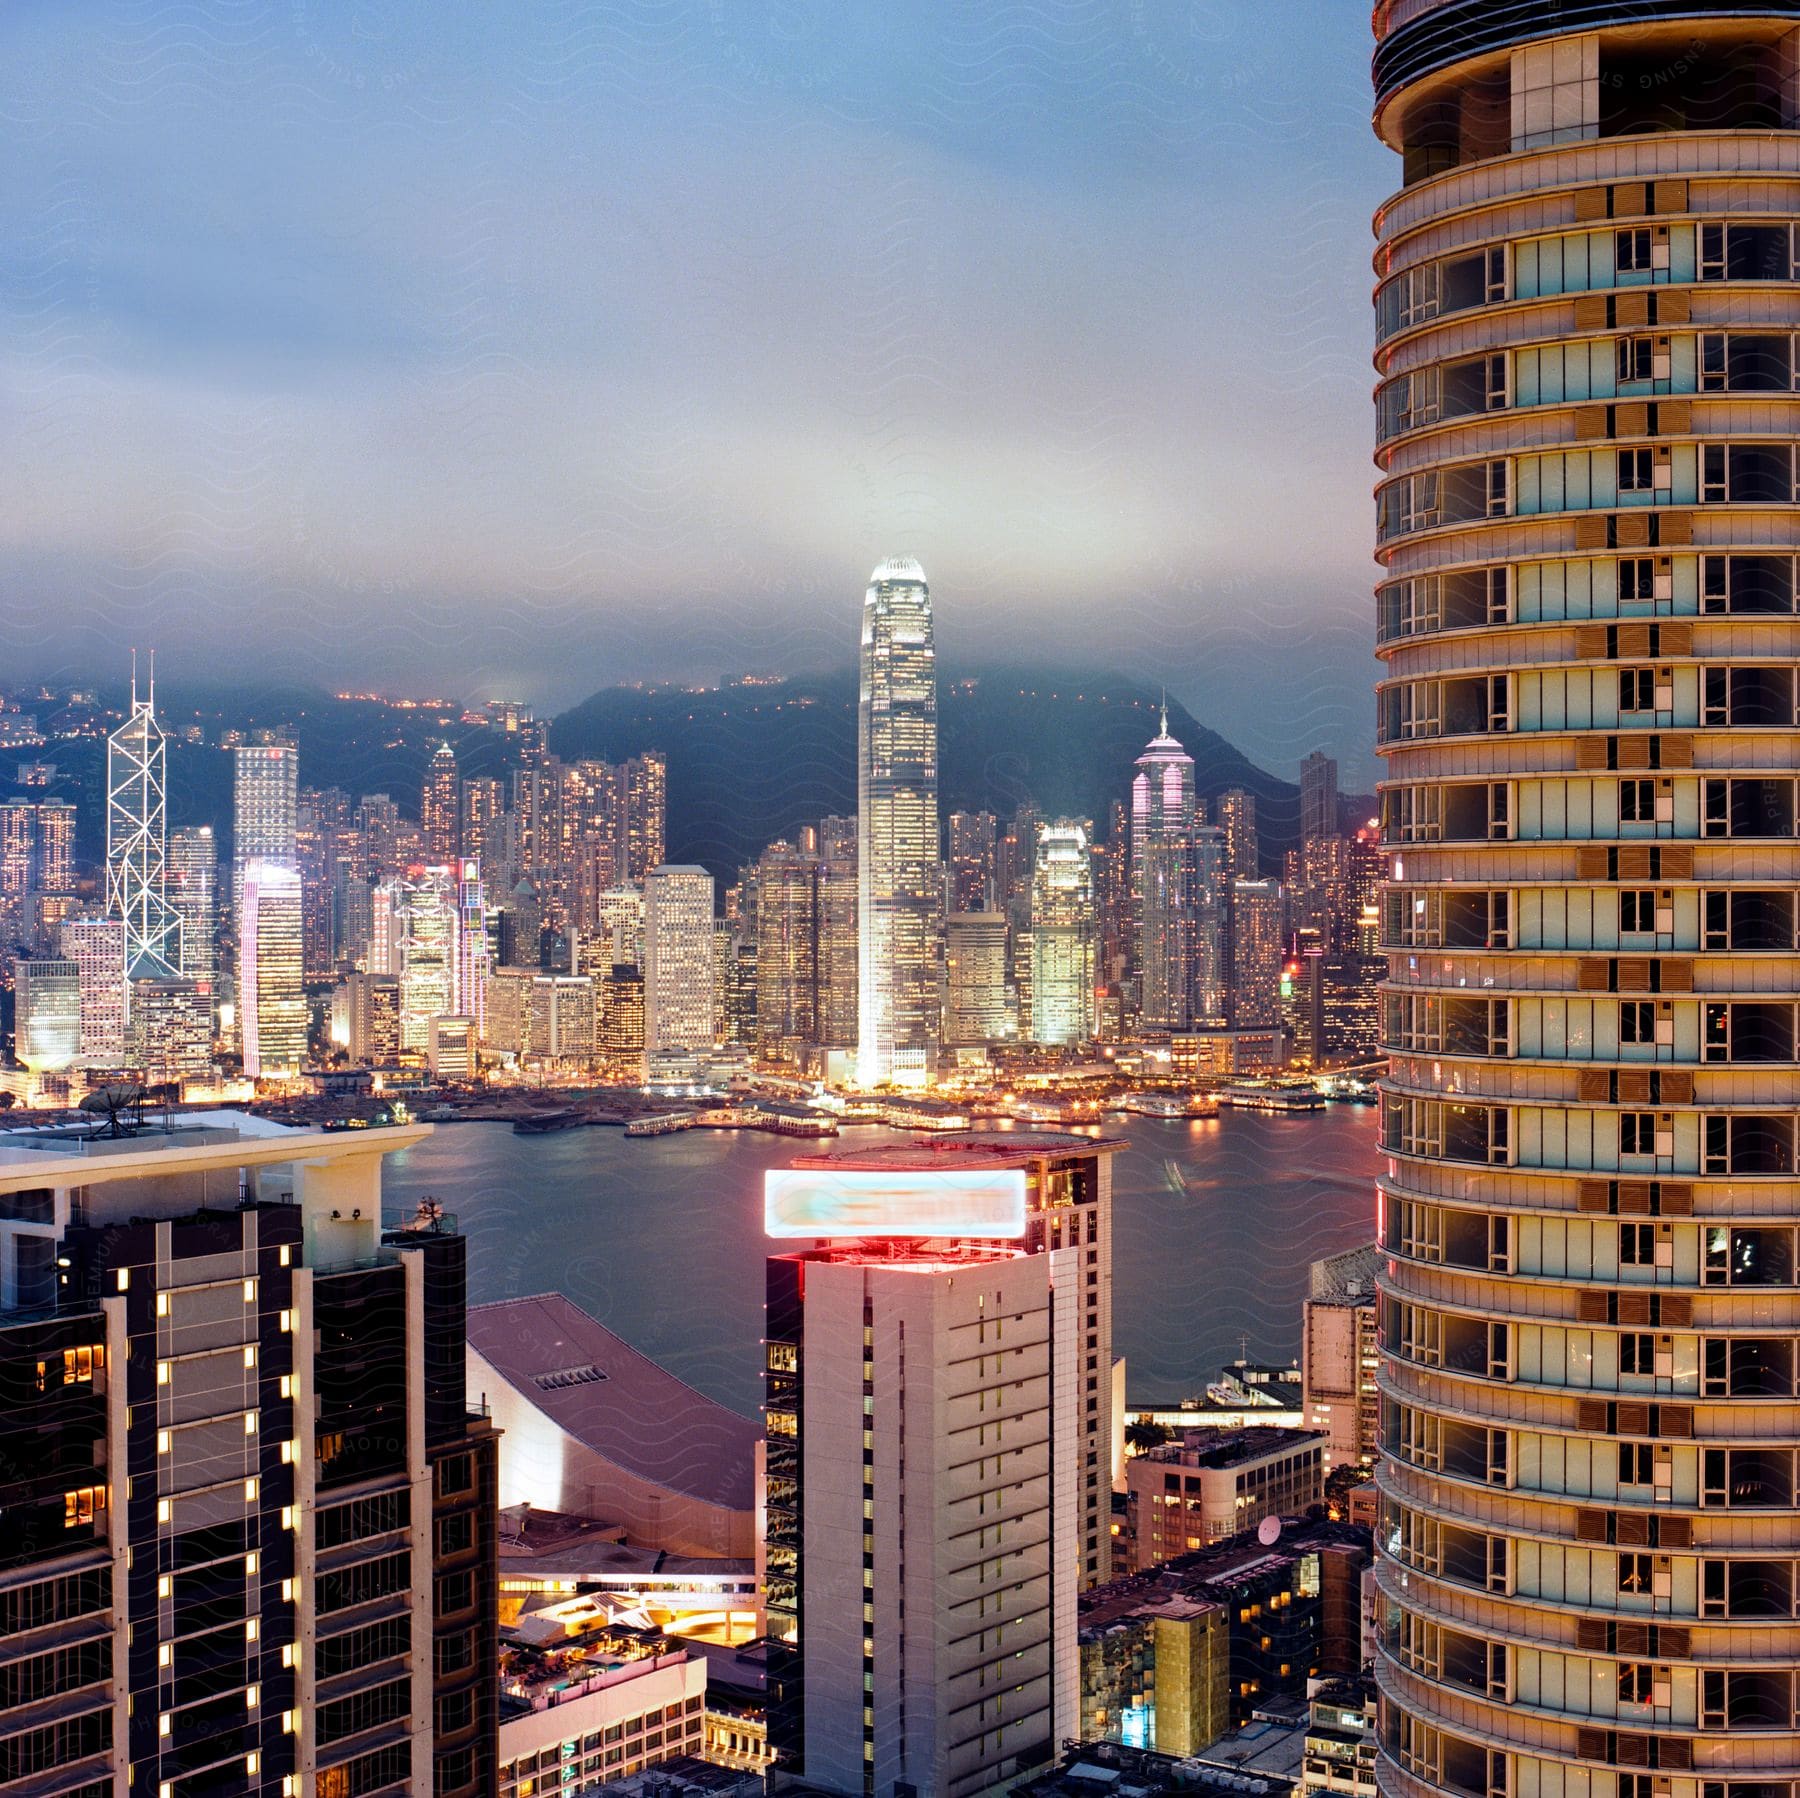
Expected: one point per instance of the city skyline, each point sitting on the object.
(297, 322)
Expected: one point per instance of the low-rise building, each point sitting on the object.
(1291, 1607)
(593, 1426)
(1340, 1739)
(578, 1709)
(1211, 1484)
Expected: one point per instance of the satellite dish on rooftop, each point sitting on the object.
(1268, 1532)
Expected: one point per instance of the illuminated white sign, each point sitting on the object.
(867, 1202)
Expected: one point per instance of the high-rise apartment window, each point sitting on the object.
(1637, 1131)
(1632, 250)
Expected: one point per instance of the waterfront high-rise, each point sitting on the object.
(1256, 947)
(900, 884)
(1585, 311)
(137, 825)
(1164, 881)
(251, 1523)
(271, 981)
(678, 961)
(418, 923)
(975, 979)
(1062, 936)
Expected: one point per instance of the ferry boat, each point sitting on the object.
(1170, 1105)
(1250, 1096)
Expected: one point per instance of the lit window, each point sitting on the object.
(162, 1304)
(251, 1696)
(287, 1255)
(162, 1373)
(249, 1629)
(287, 1385)
(162, 1729)
(251, 1563)
(124, 1279)
(250, 1354)
(164, 1585)
(287, 1320)
(250, 1491)
(162, 1442)
(249, 1423)
(164, 1655)
(249, 1292)
(162, 1510)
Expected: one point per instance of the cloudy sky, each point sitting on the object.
(528, 346)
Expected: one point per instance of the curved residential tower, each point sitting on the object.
(1586, 315)
(900, 879)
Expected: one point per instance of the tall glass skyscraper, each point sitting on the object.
(900, 877)
(1164, 881)
(1586, 304)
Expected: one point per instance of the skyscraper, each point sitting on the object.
(975, 979)
(192, 884)
(1586, 294)
(271, 989)
(440, 807)
(420, 918)
(899, 879)
(137, 779)
(483, 800)
(678, 961)
(937, 1445)
(1237, 818)
(1163, 881)
(97, 947)
(1256, 945)
(46, 1014)
(1318, 797)
(643, 787)
(265, 803)
(1062, 937)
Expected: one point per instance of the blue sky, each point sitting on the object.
(528, 347)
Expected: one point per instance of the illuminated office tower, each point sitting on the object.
(839, 943)
(440, 807)
(474, 946)
(365, 1017)
(972, 839)
(1585, 316)
(900, 890)
(1163, 881)
(416, 924)
(787, 947)
(1256, 954)
(46, 1014)
(192, 877)
(137, 778)
(1212, 928)
(97, 947)
(169, 1036)
(975, 1009)
(271, 991)
(619, 1028)
(678, 960)
(265, 804)
(1243, 849)
(1062, 937)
